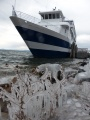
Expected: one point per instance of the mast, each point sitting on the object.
(13, 9)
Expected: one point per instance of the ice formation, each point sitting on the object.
(53, 70)
(48, 93)
(33, 97)
(83, 76)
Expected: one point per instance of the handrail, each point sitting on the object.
(26, 17)
(34, 20)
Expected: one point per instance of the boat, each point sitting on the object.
(48, 37)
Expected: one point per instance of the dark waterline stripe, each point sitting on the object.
(49, 54)
(35, 36)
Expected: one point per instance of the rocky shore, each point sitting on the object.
(49, 91)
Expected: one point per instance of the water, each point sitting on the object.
(9, 59)
(13, 57)
(26, 58)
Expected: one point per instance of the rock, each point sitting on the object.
(83, 64)
(81, 70)
(75, 100)
(77, 104)
(86, 88)
(53, 71)
(14, 79)
(81, 77)
(53, 81)
(69, 101)
(17, 66)
(33, 70)
(59, 75)
(69, 72)
(6, 65)
(3, 106)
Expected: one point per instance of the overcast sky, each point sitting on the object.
(77, 10)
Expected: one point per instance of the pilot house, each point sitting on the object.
(52, 15)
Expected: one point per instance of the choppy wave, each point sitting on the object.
(13, 57)
(25, 60)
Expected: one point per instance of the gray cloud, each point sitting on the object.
(77, 10)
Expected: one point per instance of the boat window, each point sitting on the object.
(46, 16)
(53, 16)
(42, 16)
(65, 30)
(50, 16)
(57, 15)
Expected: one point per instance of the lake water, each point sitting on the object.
(25, 57)
(9, 59)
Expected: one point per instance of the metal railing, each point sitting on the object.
(35, 20)
(25, 16)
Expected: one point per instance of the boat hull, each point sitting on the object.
(49, 54)
(41, 41)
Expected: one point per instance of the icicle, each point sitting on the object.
(57, 100)
(0, 113)
(43, 103)
(60, 100)
(65, 95)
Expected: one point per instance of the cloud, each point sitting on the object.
(83, 38)
(83, 41)
(77, 10)
(10, 39)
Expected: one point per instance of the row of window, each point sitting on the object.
(51, 16)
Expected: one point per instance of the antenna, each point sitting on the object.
(54, 8)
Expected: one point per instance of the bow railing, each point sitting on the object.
(25, 16)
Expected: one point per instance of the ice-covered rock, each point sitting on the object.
(86, 88)
(69, 101)
(53, 71)
(87, 67)
(78, 104)
(84, 76)
(70, 72)
(6, 80)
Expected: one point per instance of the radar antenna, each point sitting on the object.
(54, 8)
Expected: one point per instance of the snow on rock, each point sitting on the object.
(6, 80)
(83, 76)
(80, 77)
(69, 101)
(87, 67)
(78, 104)
(86, 88)
(70, 72)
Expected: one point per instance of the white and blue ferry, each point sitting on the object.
(49, 37)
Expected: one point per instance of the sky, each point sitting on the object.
(77, 10)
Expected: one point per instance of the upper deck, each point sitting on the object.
(52, 15)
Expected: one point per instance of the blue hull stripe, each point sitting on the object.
(49, 54)
(35, 36)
